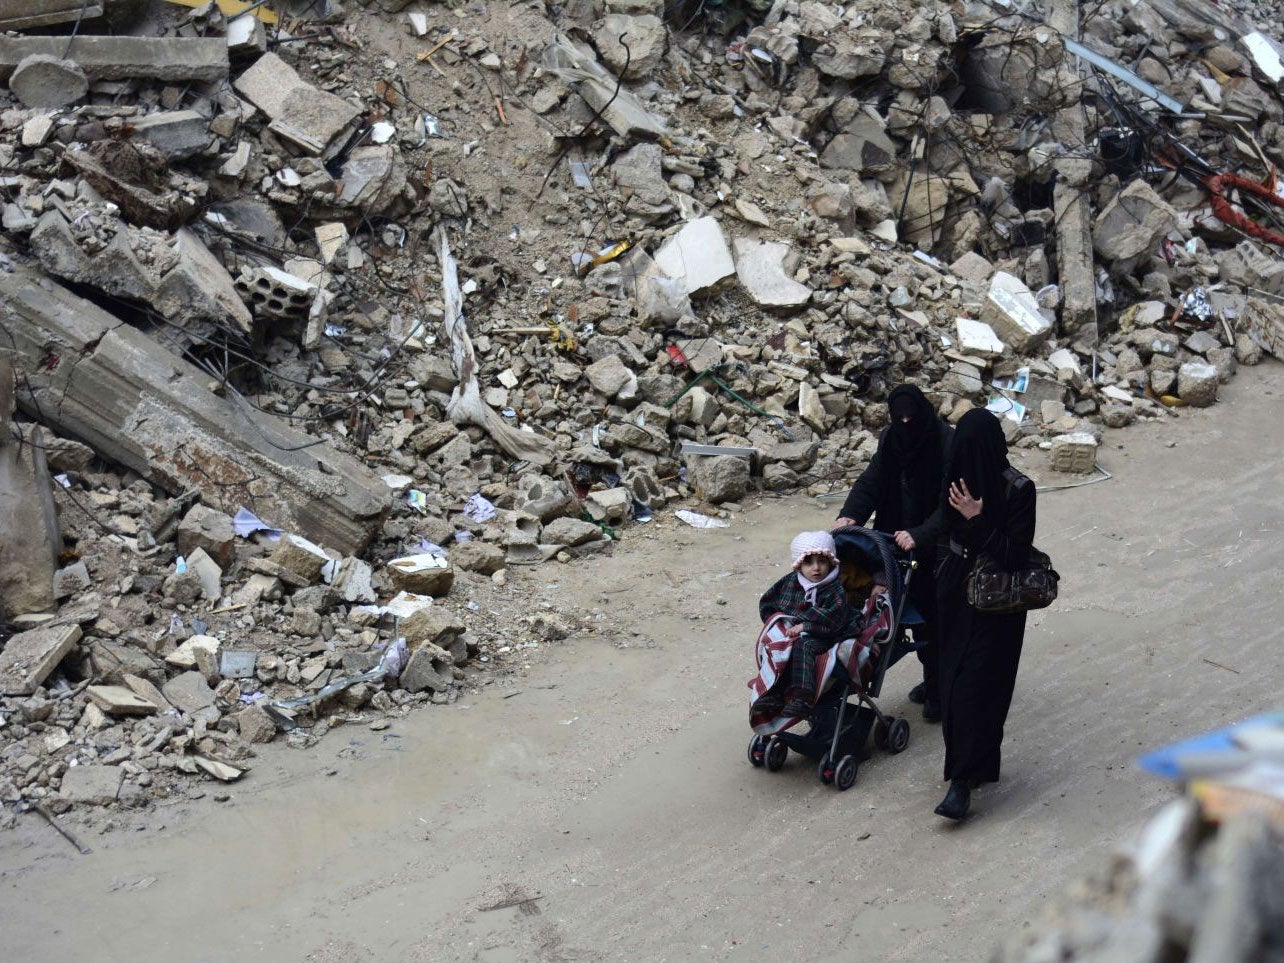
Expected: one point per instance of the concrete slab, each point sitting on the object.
(117, 700)
(97, 785)
(697, 256)
(144, 407)
(119, 58)
(760, 267)
(30, 656)
(25, 14)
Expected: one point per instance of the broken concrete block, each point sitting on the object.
(760, 268)
(296, 554)
(175, 133)
(972, 267)
(158, 59)
(71, 580)
(256, 725)
(862, 146)
(422, 574)
(1012, 311)
(1075, 452)
(29, 657)
(430, 623)
(273, 293)
(977, 338)
(697, 256)
(184, 657)
(116, 700)
(477, 556)
(810, 408)
(188, 693)
(25, 14)
(210, 530)
(42, 80)
(610, 376)
(29, 548)
(1249, 266)
(352, 581)
(723, 478)
(1197, 383)
(610, 506)
(219, 770)
(570, 531)
(645, 35)
(145, 690)
(1066, 363)
(577, 65)
(209, 572)
(1132, 225)
(95, 785)
(304, 115)
(428, 669)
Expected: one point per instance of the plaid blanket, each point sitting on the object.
(857, 655)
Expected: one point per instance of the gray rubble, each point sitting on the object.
(326, 343)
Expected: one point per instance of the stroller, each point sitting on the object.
(839, 728)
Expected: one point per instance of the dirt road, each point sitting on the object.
(610, 789)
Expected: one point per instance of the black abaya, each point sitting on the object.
(979, 651)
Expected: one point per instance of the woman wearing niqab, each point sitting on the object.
(987, 507)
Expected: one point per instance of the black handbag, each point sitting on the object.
(993, 589)
(997, 590)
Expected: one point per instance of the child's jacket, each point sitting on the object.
(829, 616)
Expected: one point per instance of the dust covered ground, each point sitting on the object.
(602, 800)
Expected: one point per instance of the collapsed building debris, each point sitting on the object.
(349, 332)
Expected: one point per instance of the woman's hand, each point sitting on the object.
(794, 631)
(905, 540)
(843, 522)
(961, 500)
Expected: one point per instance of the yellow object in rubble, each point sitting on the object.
(231, 8)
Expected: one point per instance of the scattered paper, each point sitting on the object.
(696, 520)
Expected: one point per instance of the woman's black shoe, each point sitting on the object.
(918, 694)
(931, 711)
(954, 805)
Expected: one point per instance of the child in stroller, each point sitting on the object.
(839, 649)
(819, 617)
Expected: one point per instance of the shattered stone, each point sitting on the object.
(697, 256)
(188, 692)
(1012, 311)
(310, 118)
(43, 80)
(1197, 383)
(29, 657)
(724, 478)
(95, 785)
(422, 574)
(1132, 225)
(1076, 452)
(117, 700)
(761, 272)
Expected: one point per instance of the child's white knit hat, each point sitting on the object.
(812, 543)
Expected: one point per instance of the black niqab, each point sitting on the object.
(978, 456)
(913, 447)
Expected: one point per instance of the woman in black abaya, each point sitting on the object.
(988, 506)
(901, 486)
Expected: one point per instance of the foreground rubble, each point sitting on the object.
(327, 321)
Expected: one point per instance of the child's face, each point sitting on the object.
(816, 567)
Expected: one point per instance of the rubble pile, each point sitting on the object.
(355, 307)
(1190, 889)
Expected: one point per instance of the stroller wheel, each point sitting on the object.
(898, 736)
(755, 751)
(776, 753)
(845, 773)
(880, 734)
(825, 770)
